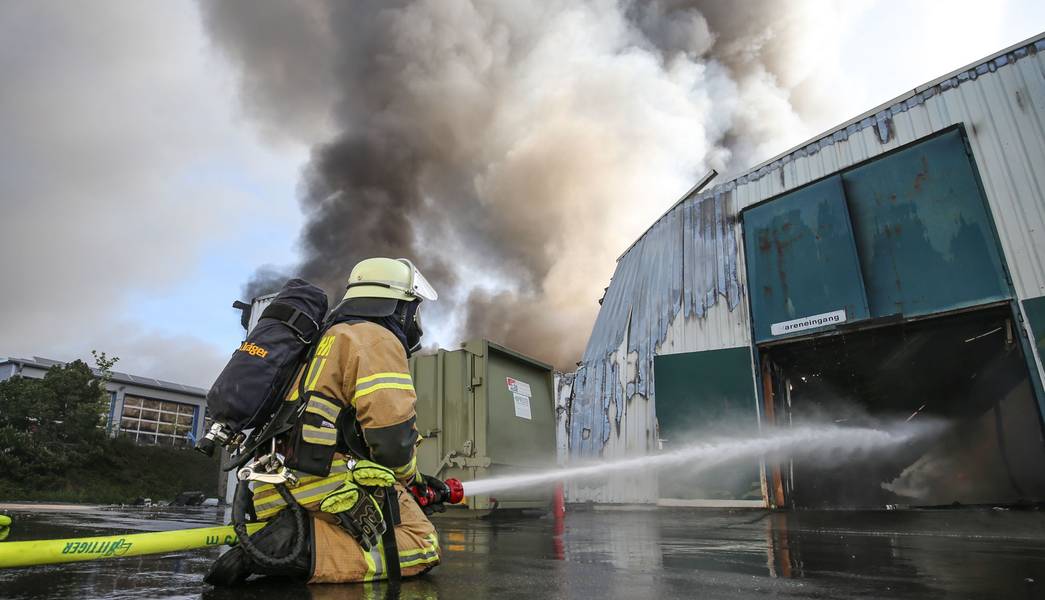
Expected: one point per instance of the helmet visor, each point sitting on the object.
(419, 286)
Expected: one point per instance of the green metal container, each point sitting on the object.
(485, 411)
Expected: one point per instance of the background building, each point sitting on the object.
(893, 266)
(150, 411)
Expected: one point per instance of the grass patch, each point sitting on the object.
(118, 471)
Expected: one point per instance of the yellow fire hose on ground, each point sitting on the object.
(5, 527)
(49, 552)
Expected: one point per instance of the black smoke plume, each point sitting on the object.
(511, 149)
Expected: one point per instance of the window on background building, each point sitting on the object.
(160, 422)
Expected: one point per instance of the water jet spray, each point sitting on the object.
(833, 443)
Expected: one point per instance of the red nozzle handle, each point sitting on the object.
(427, 496)
(456, 491)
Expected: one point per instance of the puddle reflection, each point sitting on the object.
(611, 554)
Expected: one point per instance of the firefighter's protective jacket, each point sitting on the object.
(363, 366)
(360, 366)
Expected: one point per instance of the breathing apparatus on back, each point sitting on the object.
(249, 392)
(255, 391)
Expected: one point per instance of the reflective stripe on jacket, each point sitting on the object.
(308, 492)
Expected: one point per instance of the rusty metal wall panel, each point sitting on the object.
(905, 233)
(801, 259)
(925, 240)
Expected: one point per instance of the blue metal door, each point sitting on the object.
(923, 234)
(802, 262)
(905, 235)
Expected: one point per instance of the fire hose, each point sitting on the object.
(47, 552)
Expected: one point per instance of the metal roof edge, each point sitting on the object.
(1031, 41)
(519, 355)
(117, 377)
(986, 64)
(159, 384)
(697, 187)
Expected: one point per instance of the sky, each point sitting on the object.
(139, 192)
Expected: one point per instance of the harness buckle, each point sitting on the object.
(292, 323)
(268, 469)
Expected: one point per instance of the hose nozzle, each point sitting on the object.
(456, 491)
(451, 492)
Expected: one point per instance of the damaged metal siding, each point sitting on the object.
(684, 265)
(688, 263)
(563, 394)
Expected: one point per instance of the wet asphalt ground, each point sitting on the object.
(663, 553)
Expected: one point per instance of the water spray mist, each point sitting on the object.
(833, 444)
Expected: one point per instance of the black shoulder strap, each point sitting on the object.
(302, 324)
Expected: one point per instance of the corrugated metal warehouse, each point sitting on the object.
(892, 266)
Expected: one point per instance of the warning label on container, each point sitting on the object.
(521, 394)
(522, 406)
(811, 322)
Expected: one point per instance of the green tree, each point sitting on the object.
(50, 424)
(53, 445)
(17, 403)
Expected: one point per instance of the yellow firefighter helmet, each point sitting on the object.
(388, 278)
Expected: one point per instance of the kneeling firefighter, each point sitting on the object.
(364, 520)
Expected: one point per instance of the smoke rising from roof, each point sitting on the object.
(512, 149)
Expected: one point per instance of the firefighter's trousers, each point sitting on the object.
(338, 557)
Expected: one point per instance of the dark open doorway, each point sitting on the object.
(965, 369)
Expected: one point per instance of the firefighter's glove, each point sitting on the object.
(370, 474)
(357, 512)
(341, 499)
(431, 493)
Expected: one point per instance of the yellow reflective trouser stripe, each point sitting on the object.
(433, 544)
(312, 488)
(375, 558)
(337, 466)
(424, 560)
(323, 408)
(381, 381)
(314, 492)
(427, 554)
(375, 562)
(323, 436)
